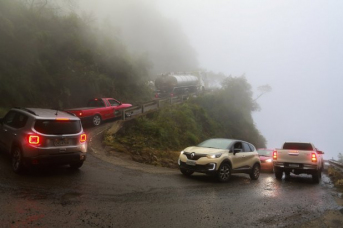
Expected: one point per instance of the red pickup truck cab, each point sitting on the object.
(99, 109)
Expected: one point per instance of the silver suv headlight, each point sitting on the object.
(217, 155)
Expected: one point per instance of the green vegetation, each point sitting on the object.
(159, 137)
(50, 56)
(48, 59)
(231, 107)
(336, 176)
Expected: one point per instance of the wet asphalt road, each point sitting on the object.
(108, 194)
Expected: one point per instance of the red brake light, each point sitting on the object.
(34, 139)
(62, 119)
(83, 138)
(314, 157)
(274, 155)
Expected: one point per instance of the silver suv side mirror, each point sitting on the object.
(235, 151)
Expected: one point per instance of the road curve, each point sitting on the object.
(116, 192)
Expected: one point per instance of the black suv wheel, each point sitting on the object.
(76, 165)
(17, 160)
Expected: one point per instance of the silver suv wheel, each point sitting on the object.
(224, 172)
(255, 172)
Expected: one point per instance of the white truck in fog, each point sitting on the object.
(176, 84)
(298, 158)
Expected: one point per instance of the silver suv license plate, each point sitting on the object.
(190, 162)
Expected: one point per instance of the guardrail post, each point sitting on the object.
(123, 113)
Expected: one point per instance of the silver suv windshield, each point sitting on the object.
(58, 127)
(216, 143)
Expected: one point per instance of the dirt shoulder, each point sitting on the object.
(97, 149)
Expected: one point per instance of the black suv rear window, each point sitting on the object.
(58, 127)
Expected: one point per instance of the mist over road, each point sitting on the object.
(114, 192)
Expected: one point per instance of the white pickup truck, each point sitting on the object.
(298, 158)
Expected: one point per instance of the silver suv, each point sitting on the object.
(221, 158)
(35, 136)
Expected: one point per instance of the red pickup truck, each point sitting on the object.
(99, 109)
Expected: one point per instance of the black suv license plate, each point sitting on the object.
(61, 142)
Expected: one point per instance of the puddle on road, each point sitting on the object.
(64, 199)
(70, 198)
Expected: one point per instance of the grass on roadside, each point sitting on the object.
(158, 138)
(336, 177)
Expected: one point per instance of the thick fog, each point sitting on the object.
(294, 46)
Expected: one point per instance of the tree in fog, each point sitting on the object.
(231, 107)
(39, 5)
(340, 157)
(262, 90)
(146, 32)
(53, 59)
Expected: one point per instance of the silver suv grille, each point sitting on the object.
(195, 156)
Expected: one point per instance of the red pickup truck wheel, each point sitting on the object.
(96, 120)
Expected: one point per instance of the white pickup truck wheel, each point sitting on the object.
(316, 176)
(278, 174)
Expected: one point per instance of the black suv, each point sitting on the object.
(36, 136)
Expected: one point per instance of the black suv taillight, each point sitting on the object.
(83, 138)
(34, 140)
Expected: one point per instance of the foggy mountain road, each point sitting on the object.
(60, 53)
(114, 192)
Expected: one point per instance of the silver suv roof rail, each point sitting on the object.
(27, 110)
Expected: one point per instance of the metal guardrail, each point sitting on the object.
(336, 163)
(158, 103)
